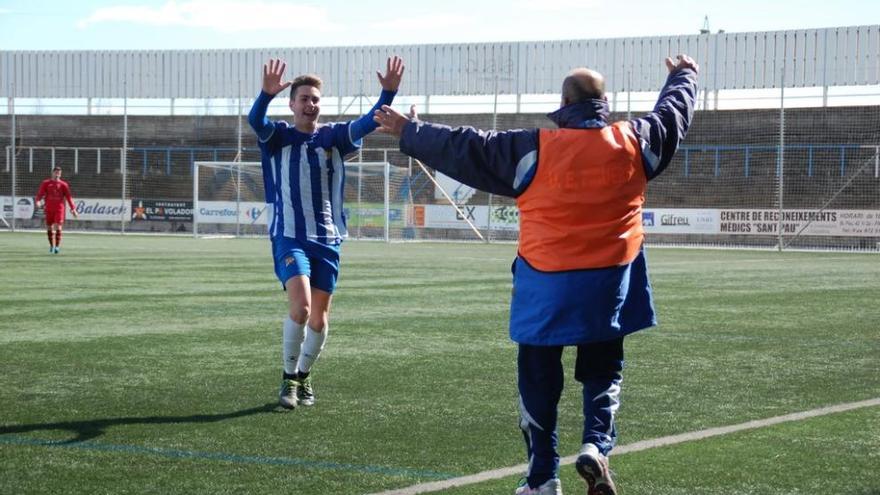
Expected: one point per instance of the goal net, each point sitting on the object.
(382, 201)
(228, 199)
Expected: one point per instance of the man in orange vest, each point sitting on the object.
(580, 275)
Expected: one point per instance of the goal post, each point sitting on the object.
(228, 199)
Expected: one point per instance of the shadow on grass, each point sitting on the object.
(93, 428)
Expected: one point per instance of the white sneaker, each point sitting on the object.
(593, 468)
(551, 487)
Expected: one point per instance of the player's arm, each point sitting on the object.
(273, 83)
(661, 131)
(390, 82)
(69, 199)
(41, 193)
(497, 162)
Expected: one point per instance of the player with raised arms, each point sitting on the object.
(304, 177)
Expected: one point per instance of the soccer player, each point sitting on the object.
(304, 177)
(52, 194)
(580, 277)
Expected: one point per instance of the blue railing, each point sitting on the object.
(748, 150)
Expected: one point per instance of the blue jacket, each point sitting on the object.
(577, 306)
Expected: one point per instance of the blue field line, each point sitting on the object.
(217, 456)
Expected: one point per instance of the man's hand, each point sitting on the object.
(391, 121)
(682, 62)
(74, 213)
(393, 74)
(273, 75)
(40, 203)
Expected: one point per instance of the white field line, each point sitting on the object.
(493, 474)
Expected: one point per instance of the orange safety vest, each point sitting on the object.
(583, 209)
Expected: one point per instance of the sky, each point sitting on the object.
(215, 24)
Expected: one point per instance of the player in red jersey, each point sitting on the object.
(52, 194)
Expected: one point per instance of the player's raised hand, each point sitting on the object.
(273, 76)
(390, 120)
(393, 74)
(682, 61)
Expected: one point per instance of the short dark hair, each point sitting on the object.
(305, 80)
(56, 168)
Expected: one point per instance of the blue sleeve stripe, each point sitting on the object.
(651, 158)
(355, 143)
(526, 164)
(268, 137)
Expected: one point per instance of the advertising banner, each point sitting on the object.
(446, 217)
(161, 210)
(23, 207)
(372, 215)
(849, 223)
(844, 223)
(680, 221)
(102, 209)
(249, 212)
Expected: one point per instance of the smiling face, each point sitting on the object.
(305, 104)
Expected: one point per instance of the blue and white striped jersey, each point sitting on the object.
(304, 174)
(304, 177)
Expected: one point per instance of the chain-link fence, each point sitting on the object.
(802, 171)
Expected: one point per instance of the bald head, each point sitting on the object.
(581, 85)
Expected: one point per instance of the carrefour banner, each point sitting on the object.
(102, 209)
(244, 213)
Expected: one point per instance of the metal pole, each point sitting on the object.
(495, 105)
(387, 203)
(877, 162)
(237, 203)
(781, 171)
(124, 159)
(12, 111)
(360, 207)
(494, 128)
(195, 175)
(238, 180)
(489, 219)
(629, 80)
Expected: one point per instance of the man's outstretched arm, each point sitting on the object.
(661, 131)
(496, 162)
